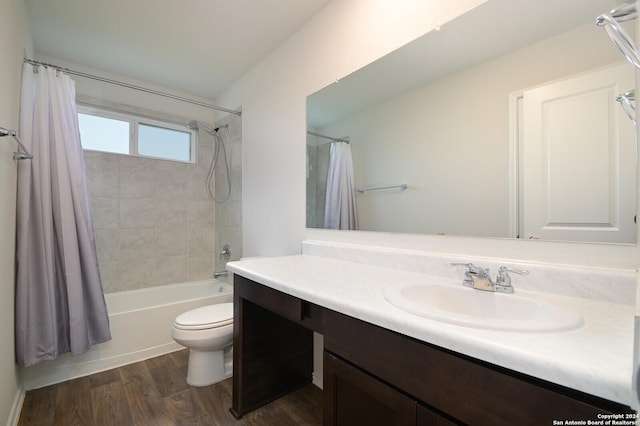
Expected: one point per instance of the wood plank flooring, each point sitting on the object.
(154, 392)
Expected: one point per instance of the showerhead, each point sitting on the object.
(194, 125)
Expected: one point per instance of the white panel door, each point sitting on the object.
(579, 159)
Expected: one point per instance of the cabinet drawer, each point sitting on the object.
(285, 305)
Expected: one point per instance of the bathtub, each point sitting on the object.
(163, 297)
(140, 322)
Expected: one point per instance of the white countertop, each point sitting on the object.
(596, 358)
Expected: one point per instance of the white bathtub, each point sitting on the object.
(140, 323)
(163, 297)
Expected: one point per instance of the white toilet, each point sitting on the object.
(208, 333)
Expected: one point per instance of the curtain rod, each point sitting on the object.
(327, 137)
(132, 86)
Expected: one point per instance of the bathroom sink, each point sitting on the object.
(482, 309)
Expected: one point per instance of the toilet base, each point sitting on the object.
(208, 367)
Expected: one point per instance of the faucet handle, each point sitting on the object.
(471, 268)
(468, 265)
(514, 270)
(467, 281)
(503, 280)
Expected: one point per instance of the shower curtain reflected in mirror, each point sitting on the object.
(60, 305)
(340, 205)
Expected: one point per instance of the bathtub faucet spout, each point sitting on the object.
(219, 274)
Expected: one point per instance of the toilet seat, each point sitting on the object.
(206, 317)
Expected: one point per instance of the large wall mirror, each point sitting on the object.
(501, 123)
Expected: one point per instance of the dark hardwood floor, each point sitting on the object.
(154, 392)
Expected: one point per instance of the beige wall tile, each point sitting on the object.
(137, 177)
(171, 241)
(199, 240)
(137, 274)
(105, 212)
(171, 180)
(137, 213)
(200, 212)
(199, 268)
(103, 176)
(171, 270)
(137, 244)
(107, 245)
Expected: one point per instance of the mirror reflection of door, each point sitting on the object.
(577, 140)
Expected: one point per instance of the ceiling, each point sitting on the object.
(195, 46)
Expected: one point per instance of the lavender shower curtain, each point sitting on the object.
(340, 205)
(60, 305)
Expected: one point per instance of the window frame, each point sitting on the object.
(134, 121)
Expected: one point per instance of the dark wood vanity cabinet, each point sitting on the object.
(462, 390)
(374, 376)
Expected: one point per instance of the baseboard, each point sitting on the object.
(16, 408)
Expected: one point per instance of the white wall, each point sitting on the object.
(14, 42)
(344, 36)
(449, 140)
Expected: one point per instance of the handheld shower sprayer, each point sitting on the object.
(218, 146)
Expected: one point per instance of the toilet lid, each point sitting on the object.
(211, 316)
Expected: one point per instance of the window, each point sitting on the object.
(156, 141)
(104, 134)
(120, 133)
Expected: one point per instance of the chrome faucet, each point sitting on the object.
(480, 278)
(225, 253)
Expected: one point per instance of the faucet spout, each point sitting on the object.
(480, 278)
(476, 277)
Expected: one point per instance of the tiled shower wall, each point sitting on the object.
(228, 228)
(317, 169)
(153, 220)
